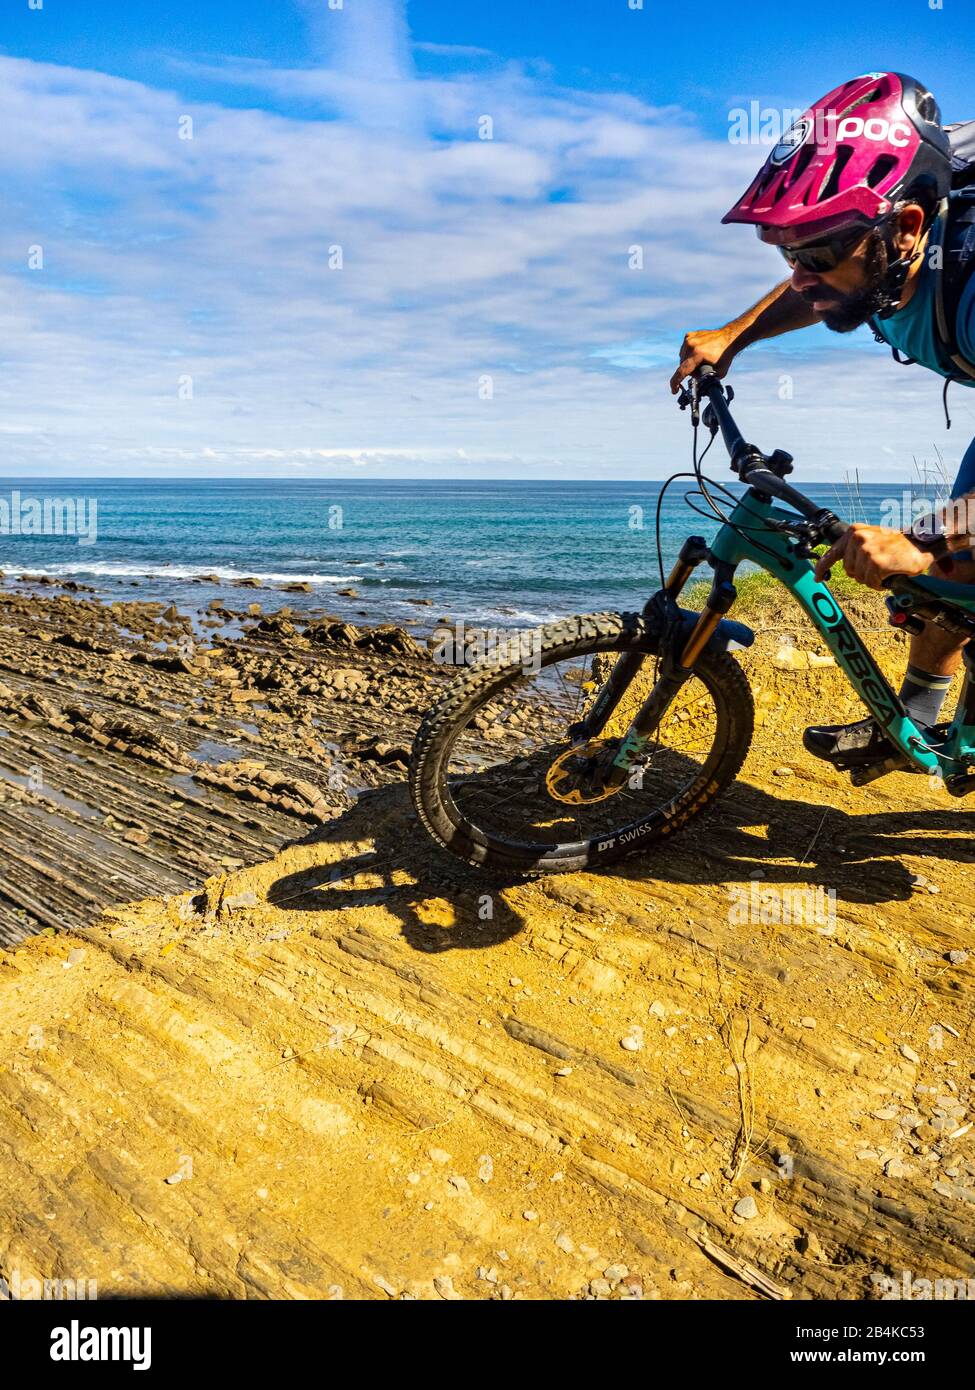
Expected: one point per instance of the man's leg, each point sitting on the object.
(935, 656)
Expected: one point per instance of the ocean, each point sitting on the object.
(493, 553)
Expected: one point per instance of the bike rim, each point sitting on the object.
(495, 767)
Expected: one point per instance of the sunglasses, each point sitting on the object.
(820, 256)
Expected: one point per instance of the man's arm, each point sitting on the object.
(871, 554)
(781, 311)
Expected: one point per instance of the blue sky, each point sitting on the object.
(175, 305)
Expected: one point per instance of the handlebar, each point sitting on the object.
(752, 466)
(757, 471)
(709, 384)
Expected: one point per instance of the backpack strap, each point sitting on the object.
(957, 263)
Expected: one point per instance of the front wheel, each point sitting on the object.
(498, 778)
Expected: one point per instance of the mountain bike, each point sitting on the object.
(625, 727)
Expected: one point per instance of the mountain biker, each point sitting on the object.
(853, 197)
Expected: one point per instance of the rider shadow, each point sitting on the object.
(445, 905)
(808, 844)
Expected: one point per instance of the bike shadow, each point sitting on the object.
(445, 905)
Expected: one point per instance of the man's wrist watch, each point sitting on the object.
(927, 535)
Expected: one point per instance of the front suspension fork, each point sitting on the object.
(674, 670)
(692, 553)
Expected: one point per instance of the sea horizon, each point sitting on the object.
(493, 552)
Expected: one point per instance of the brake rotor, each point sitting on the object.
(570, 778)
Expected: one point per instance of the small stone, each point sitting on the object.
(958, 957)
(440, 1155)
(657, 1009)
(909, 1053)
(784, 772)
(565, 1243)
(889, 1112)
(530, 1215)
(459, 1184)
(614, 1273)
(807, 1022)
(238, 900)
(746, 1208)
(633, 1042)
(563, 1071)
(485, 1168)
(600, 1287)
(515, 982)
(444, 1286)
(896, 1168)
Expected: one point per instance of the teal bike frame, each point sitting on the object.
(734, 544)
(780, 542)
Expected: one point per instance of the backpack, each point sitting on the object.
(958, 242)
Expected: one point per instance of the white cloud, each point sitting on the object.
(167, 259)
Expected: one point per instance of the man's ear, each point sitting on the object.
(908, 227)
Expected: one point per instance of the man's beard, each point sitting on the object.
(851, 311)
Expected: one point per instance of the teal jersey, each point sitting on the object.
(913, 329)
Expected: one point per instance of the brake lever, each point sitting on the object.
(689, 396)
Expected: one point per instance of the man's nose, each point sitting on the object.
(804, 279)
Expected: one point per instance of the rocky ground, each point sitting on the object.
(142, 749)
(319, 1059)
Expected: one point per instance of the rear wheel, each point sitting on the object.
(498, 779)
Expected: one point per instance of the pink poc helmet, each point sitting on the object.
(848, 160)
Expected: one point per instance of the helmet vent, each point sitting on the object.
(928, 109)
(860, 101)
(802, 161)
(831, 183)
(880, 169)
(765, 178)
